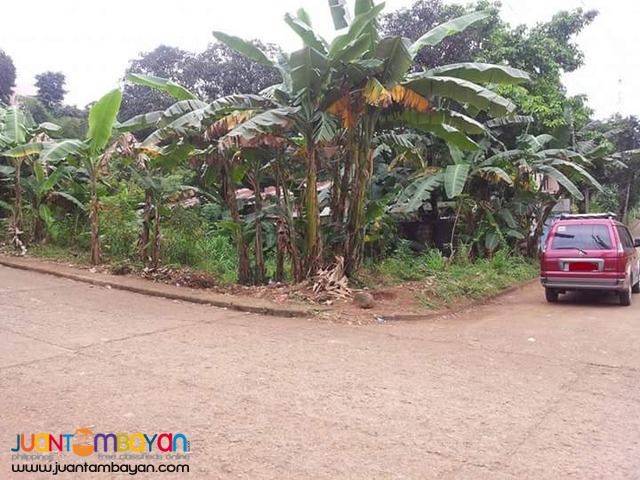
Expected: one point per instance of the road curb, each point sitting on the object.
(414, 317)
(158, 290)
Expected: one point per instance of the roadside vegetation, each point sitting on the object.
(436, 117)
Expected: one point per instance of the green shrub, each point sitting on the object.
(449, 281)
(218, 257)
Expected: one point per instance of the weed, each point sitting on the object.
(450, 280)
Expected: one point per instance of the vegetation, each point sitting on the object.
(448, 279)
(254, 164)
(7, 77)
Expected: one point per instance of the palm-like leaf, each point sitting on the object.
(58, 151)
(245, 48)
(498, 172)
(455, 179)
(439, 33)
(263, 123)
(482, 73)
(308, 68)
(140, 122)
(418, 192)
(563, 180)
(14, 126)
(102, 119)
(578, 168)
(462, 92)
(422, 121)
(511, 120)
(25, 150)
(394, 51)
(356, 28)
(70, 198)
(162, 84)
(306, 33)
(49, 128)
(182, 113)
(353, 50)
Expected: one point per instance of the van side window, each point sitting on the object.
(625, 236)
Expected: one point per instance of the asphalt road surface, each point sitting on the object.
(516, 389)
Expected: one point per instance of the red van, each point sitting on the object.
(590, 252)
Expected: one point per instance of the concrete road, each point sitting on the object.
(515, 389)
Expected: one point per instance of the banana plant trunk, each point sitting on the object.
(39, 230)
(313, 259)
(18, 219)
(145, 234)
(546, 208)
(362, 158)
(260, 273)
(343, 194)
(287, 235)
(94, 218)
(157, 238)
(281, 242)
(244, 268)
(624, 208)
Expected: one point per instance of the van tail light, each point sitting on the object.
(620, 248)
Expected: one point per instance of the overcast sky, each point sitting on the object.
(92, 42)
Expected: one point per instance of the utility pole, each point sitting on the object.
(620, 96)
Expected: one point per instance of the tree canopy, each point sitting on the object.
(7, 77)
(546, 50)
(51, 90)
(216, 72)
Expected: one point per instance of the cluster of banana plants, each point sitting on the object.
(503, 197)
(319, 126)
(33, 174)
(316, 141)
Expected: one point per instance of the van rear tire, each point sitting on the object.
(625, 297)
(551, 295)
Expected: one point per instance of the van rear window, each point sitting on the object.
(583, 237)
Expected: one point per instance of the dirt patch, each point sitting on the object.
(179, 277)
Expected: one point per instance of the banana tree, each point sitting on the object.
(95, 156)
(299, 104)
(540, 177)
(21, 139)
(506, 194)
(92, 154)
(151, 171)
(365, 81)
(202, 124)
(41, 189)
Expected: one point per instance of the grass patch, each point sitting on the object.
(478, 280)
(60, 254)
(449, 281)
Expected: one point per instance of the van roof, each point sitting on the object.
(588, 216)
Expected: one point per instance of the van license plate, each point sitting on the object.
(583, 267)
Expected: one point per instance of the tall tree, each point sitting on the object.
(216, 72)
(220, 71)
(166, 62)
(7, 77)
(51, 90)
(547, 50)
(424, 15)
(621, 176)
